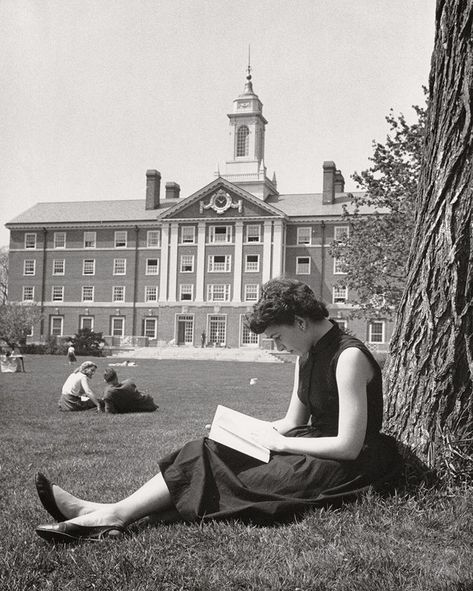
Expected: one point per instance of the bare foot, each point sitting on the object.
(71, 506)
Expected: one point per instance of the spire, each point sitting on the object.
(248, 83)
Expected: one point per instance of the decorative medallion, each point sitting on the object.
(220, 202)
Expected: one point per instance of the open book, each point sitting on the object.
(234, 429)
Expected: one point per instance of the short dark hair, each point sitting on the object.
(281, 301)
(109, 375)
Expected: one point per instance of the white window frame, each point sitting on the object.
(88, 263)
(59, 240)
(218, 289)
(119, 266)
(300, 266)
(253, 233)
(186, 289)
(113, 330)
(118, 293)
(339, 292)
(342, 323)
(27, 289)
(187, 260)
(90, 239)
(154, 322)
(31, 263)
(92, 292)
(337, 262)
(227, 236)
(151, 293)
(187, 234)
(62, 264)
(52, 330)
(304, 235)
(251, 293)
(341, 233)
(152, 269)
(120, 239)
(57, 293)
(30, 240)
(153, 239)
(224, 266)
(91, 318)
(247, 337)
(371, 340)
(252, 266)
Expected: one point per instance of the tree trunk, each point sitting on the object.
(429, 376)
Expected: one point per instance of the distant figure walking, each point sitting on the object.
(203, 338)
(71, 354)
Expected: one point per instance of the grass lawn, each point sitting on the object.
(413, 541)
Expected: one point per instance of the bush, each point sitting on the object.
(88, 342)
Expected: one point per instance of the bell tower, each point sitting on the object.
(246, 167)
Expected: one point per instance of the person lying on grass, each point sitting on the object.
(327, 448)
(121, 397)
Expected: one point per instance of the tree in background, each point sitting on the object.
(429, 377)
(376, 250)
(16, 321)
(88, 342)
(3, 274)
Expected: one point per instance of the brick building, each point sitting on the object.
(167, 268)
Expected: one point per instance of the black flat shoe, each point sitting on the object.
(46, 496)
(71, 532)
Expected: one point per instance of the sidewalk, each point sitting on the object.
(206, 353)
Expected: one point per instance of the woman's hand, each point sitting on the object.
(271, 439)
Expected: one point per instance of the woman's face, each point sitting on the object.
(89, 372)
(289, 337)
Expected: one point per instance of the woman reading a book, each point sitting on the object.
(327, 448)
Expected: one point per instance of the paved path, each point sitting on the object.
(217, 354)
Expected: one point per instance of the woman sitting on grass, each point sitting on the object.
(328, 446)
(77, 386)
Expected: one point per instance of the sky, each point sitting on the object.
(95, 92)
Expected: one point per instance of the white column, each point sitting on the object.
(173, 240)
(237, 262)
(277, 249)
(200, 263)
(163, 267)
(267, 240)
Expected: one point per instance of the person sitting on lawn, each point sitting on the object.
(120, 397)
(77, 393)
(327, 448)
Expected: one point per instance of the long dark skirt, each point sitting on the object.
(208, 480)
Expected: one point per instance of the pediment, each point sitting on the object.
(221, 199)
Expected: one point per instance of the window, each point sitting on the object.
(242, 141)
(253, 233)
(118, 326)
(185, 329)
(90, 239)
(188, 234)
(251, 263)
(304, 235)
(29, 267)
(59, 266)
(218, 292)
(187, 263)
(153, 239)
(28, 293)
(120, 239)
(150, 328)
(57, 293)
(119, 266)
(217, 330)
(30, 240)
(251, 292)
(151, 293)
(220, 263)
(376, 332)
(303, 265)
(152, 266)
(186, 292)
(247, 337)
(342, 323)
(341, 233)
(339, 294)
(88, 267)
(59, 240)
(220, 234)
(87, 293)
(87, 322)
(339, 266)
(118, 293)
(56, 326)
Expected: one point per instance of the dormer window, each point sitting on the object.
(242, 143)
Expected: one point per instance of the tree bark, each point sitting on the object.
(429, 375)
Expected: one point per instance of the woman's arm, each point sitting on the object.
(297, 413)
(88, 391)
(353, 374)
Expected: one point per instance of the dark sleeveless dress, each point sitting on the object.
(208, 480)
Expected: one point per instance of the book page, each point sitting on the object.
(234, 429)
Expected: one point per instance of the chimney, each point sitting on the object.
(339, 182)
(153, 187)
(329, 182)
(172, 191)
